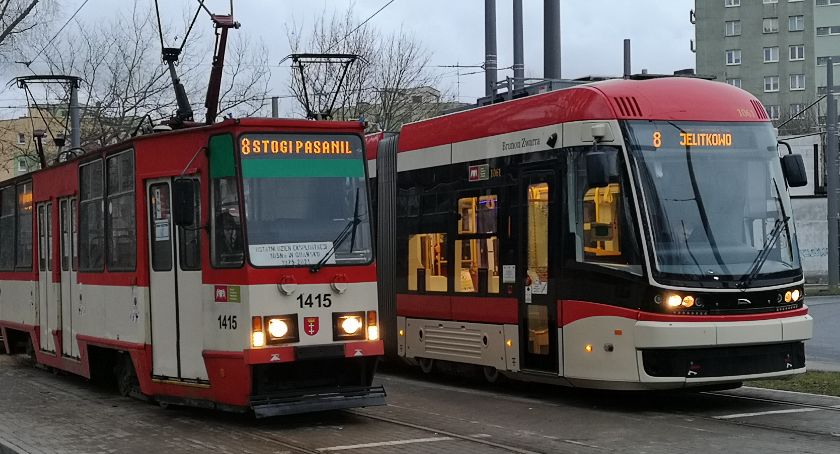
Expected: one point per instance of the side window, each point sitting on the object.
(91, 218)
(227, 224)
(427, 264)
(161, 216)
(600, 217)
(23, 259)
(477, 245)
(7, 228)
(122, 243)
(189, 238)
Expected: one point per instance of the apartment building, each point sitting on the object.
(775, 49)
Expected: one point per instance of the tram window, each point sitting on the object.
(42, 240)
(603, 226)
(189, 238)
(23, 259)
(227, 226)
(427, 264)
(122, 249)
(477, 265)
(538, 203)
(7, 228)
(161, 215)
(476, 254)
(91, 218)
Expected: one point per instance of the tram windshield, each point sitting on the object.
(716, 201)
(305, 199)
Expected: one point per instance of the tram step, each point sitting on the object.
(307, 400)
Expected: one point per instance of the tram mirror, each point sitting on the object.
(794, 169)
(597, 169)
(183, 202)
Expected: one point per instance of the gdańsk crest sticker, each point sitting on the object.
(310, 325)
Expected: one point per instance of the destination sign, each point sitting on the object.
(299, 145)
(698, 139)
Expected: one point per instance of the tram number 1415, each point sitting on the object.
(227, 322)
(316, 300)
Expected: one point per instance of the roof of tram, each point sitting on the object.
(668, 98)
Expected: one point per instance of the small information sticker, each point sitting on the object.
(290, 254)
(508, 274)
(162, 230)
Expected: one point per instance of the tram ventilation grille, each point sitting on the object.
(628, 106)
(759, 110)
(453, 342)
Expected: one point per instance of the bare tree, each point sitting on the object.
(390, 85)
(125, 83)
(20, 16)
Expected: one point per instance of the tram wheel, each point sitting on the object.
(492, 375)
(427, 365)
(127, 382)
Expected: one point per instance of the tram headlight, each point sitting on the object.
(688, 301)
(351, 324)
(277, 328)
(674, 301)
(795, 294)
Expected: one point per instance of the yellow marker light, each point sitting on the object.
(373, 333)
(258, 339)
(588, 348)
(688, 301)
(674, 301)
(351, 325)
(402, 332)
(618, 332)
(788, 296)
(277, 328)
(509, 343)
(795, 295)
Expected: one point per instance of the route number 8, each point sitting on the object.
(657, 139)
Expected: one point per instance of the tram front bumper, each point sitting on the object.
(699, 353)
(323, 399)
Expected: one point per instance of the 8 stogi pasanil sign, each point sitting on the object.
(301, 155)
(290, 254)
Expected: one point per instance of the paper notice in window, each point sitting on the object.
(509, 274)
(290, 254)
(539, 288)
(162, 230)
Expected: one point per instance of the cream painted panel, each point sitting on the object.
(456, 341)
(512, 335)
(514, 143)
(674, 334)
(797, 328)
(124, 314)
(90, 316)
(19, 302)
(755, 332)
(216, 339)
(401, 338)
(371, 165)
(600, 332)
(268, 300)
(424, 158)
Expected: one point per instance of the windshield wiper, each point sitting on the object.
(349, 230)
(769, 243)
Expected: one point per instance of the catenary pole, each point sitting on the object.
(833, 179)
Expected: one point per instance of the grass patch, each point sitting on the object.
(815, 382)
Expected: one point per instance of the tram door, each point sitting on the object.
(538, 307)
(175, 289)
(67, 248)
(48, 300)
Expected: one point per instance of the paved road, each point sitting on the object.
(823, 351)
(45, 413)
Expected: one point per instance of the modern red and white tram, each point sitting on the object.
(228, 266)
(624, 234)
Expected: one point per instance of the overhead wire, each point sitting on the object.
(57, 33)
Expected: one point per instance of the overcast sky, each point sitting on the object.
(453, 31)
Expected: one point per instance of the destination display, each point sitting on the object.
(298, 145)
(697, 139)
(290, 254)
